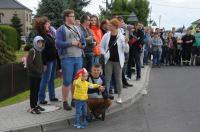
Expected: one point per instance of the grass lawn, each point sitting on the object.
(19, 54)
(23, 96)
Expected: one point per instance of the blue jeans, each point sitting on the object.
(156, 56)
(48, 79)
(81, 110)
(146, 56)
(96, 59)
(70, 65)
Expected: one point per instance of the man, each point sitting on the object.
(136, 42)
(70, 42)
(196, 47)
(124, 29)
(98, 102)
(188, 41)
(90, 42)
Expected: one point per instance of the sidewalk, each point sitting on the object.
(16, 118)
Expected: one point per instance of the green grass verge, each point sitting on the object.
(24, 96)
(19, 54)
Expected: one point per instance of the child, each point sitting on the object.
(80, 96)
(35, 69)
(157, 49)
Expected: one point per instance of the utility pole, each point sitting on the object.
(106, 5)
(160, 17)
(150, 21)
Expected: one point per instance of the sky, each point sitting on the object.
(172, 13)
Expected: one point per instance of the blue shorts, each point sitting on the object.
(70, 65)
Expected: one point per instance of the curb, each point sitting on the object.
(65, 123)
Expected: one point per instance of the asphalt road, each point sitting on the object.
(172, 105)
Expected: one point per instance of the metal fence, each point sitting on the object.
(13, 80)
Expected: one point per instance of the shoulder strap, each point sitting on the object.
(74, 30)
(33, 53)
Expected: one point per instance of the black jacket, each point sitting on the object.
(90, 91)
(34, 63)
(50, 52)
(139, 34)
(188, 38)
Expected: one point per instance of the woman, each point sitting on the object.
(95, 28)
(157, 49)
(104, 26)
(171, 44)
(113, 47)
(49, 56)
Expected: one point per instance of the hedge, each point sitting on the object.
(11, 35)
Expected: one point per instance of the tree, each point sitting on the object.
(16, 23)
(6, 53)
(142, 10)
(125, 8)
(53, 10)
(77, 6)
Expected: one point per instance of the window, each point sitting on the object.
(30, 19)
(27, 17)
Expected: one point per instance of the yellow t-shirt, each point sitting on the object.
(81, 89)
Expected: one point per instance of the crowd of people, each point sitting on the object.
(97, 59)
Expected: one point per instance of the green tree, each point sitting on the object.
(142, 10)
(77, 6)
(53, 10)
(6, 53)
(125, 8)
(16, 23)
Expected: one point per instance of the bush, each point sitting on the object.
(28, 47)
(6, 53)
(11, 36)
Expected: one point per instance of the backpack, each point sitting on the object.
(25, 58)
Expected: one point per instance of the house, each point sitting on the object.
(10, 7)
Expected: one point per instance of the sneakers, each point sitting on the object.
(72, 103)
(54, 100)
(66, 106)
(43, 102)
(40, 108)
(79, 126)
(85, 123)
(128, 85)
(119, 100)
(35, 111)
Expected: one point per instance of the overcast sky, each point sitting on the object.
(173, 12)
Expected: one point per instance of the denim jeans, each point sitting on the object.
(146, 56)
(156, 56)
(96, 59)
(70, 65)
(48, 79)
(81, 111)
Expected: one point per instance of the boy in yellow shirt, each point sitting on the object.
(81, 86)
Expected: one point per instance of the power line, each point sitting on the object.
(183, 7)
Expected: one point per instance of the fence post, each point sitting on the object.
(12, 79)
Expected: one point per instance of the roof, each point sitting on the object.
(12, 4)
(196, 22)
(132, 17)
